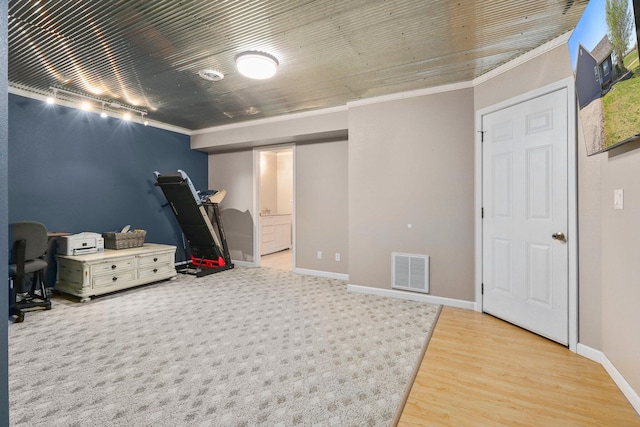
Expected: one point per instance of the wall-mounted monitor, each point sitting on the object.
(604, 55)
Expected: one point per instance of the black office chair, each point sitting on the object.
(28, 245)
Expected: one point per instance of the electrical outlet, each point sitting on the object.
(618, 199)
(337, 256)
(319, 254)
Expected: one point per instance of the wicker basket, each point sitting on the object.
(113, 240)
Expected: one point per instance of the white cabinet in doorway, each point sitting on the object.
(275, 233)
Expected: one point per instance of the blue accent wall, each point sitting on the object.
(75, 171)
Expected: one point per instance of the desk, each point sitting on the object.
(53, 234)
(112, 270)
(51, 271)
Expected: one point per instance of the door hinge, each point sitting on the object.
(481, 212)
(482, 288)
(481, 132)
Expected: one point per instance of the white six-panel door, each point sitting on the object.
(524, 197)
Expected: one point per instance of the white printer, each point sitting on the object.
(81, 243)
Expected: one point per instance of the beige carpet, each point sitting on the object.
(243, 347)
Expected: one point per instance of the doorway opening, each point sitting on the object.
(275, 202)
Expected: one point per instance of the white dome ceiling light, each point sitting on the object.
(257, 65)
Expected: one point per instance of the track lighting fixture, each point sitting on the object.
(87, 103)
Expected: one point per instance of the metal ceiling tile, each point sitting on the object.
(147, 54)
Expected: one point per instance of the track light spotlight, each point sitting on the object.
(86, 106)
(88, 102)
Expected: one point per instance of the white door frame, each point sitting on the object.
(572, 196)
(256, 201)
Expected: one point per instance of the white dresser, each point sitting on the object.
(112, 270)
(275, 233)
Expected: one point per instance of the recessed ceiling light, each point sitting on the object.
(257, 65)
(211, 75)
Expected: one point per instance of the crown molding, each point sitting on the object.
(528, 56)
(410, 94)
(275, 119)
(151, 123)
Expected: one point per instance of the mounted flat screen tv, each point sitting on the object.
(604, 55)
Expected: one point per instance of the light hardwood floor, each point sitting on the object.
(282, 260)
(481, 371)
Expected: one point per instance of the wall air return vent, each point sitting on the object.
(410, 272)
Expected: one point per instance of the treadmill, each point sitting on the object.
(199, 217)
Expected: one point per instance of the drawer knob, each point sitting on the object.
(114, 278)
(155, 270)
(155, 259)
(113, 267)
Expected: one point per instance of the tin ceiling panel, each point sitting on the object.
(147, 54)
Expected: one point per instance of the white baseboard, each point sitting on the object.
(616, 376)
(327, 274)
(622, 384)
(412, 296)
(589, 353)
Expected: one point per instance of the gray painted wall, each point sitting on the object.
(589, 247)
(4, 214)
(620, 169)
(285, 182)
(312, 126)
(322, 206)
(321, 203)
(540, 71)
(411, 161)
(268, 182)
(233, 172)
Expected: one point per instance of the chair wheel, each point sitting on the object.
(19, 318)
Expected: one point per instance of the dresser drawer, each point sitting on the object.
(114, 266)
(268, 233)
(155, 259)
(113, 279)
(159, 270)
